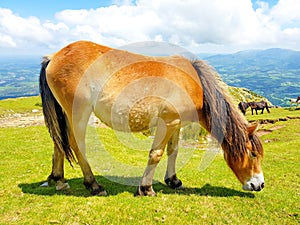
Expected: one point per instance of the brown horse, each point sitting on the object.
(259, 106)
(131, 92)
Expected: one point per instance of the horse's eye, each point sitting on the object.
(253, 154)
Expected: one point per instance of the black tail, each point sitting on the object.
(54, 116)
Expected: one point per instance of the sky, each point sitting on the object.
(200, 26)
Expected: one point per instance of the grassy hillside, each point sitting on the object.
(19, 105)
(273, 73)
(212, 196)
(246, 95)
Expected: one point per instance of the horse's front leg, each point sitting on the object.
(172, 151)
(164, 132)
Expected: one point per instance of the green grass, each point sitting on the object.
(19, 105)
(213, 196)
(275, 114)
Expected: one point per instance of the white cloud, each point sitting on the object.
(29, 28)
(286, 11)
(6, 41)
(197, 25)
(280, 25)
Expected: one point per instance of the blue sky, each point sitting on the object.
(47, 9)
(270, 2)
(215, 26)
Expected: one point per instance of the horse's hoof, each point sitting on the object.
(145, 191)
(62, 186)
(180, 188)
(174, 182)
(99, 191)
(102, 193)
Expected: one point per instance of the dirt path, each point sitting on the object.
(34, 118)
(22, 120)
(262, 132)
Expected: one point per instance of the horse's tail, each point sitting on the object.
(55, 118)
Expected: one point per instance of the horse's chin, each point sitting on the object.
(255, 183)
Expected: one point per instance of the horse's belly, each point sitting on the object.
(134, 116)
(126, 116)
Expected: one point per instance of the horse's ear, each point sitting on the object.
(251, 129)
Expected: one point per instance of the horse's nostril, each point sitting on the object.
(252, 186)
(262, 185)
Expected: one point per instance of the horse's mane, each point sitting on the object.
(222, 118)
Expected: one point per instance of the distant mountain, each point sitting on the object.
(19, 76)
(273, 73)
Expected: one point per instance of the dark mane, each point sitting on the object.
(222, 118)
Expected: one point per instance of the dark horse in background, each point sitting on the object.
(259, 106)
(254, 106)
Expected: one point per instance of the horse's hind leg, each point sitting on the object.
(89, 178)
(77, 142)
(172, 151)
(163, 133)
(57, 174)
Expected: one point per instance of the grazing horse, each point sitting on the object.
(131, 92)
(295, 101)
(259, 106)
(243, 107)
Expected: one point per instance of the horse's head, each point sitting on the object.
(246, 164)
(243, 107)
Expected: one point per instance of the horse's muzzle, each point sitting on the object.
(255, 183)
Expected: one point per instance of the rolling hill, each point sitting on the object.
(273, 73)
